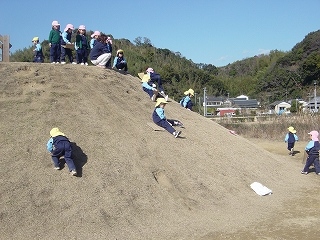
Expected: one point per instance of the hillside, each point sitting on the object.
(134, 183)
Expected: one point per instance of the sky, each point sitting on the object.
(215, 32)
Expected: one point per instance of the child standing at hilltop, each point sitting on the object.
(186, 100)
(312, 149)
(81, 46)
(120, 62)
(66, 39)
(160, 119)
(38, 54)
(59, 145)
(108, 49)
(54, 42)
(291, 138)
(94, 37)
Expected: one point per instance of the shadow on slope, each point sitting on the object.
(136, 183)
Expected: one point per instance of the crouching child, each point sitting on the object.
(160, 119)
(59, 146)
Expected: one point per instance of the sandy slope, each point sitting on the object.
(134, 183)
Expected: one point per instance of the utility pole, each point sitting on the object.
(315, 96)
(204, 102)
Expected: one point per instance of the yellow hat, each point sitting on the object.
(291, 129)
(56, 132)
(190, 91)
(160, 100)
(35, 39)
(144, 77)
(119, 51)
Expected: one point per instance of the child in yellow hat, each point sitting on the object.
(59, 145)
(160, 119)
(291, 137)
(38, 55)
(147, 86)
(186, 100)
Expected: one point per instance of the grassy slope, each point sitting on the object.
(135, 183)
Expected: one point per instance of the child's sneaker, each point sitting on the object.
(73, 173)
(81, 63)
(74, 63)
(56, 168)
(86, 64)
(302, 172)
(53, 63)
(63, 62)
(176, 134)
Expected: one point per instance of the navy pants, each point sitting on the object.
(122, 66)
(166, 125)
(156, 78)
(38, 59)
(66, 52)
(312, 159)
(82, 55)
(148, 91)
(290, 145)
(63, 149)
(55, 51)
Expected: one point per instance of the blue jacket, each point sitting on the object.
(55, 144)
(158, 115)
(313, 148)
(38, 51)
(118, 60)
(97, 50)
(66, 38)
(291, 137)
(92, 42)
(186, 102)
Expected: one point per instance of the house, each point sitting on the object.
(280, 107)
(215, 101)
(224, 105)
(314, 104)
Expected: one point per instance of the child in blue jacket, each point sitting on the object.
(312, 149)
(186, 100)
(38, 54)
(148, 88)
(291, 138)
(59, 145)
(160, 119)
(155, 78)
(120, 62)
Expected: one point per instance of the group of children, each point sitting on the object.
(59, 145)
(99, 48)
(312, 149)
(152, 84)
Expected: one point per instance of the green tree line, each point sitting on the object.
(275, 76)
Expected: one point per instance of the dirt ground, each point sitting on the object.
(133, 182)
